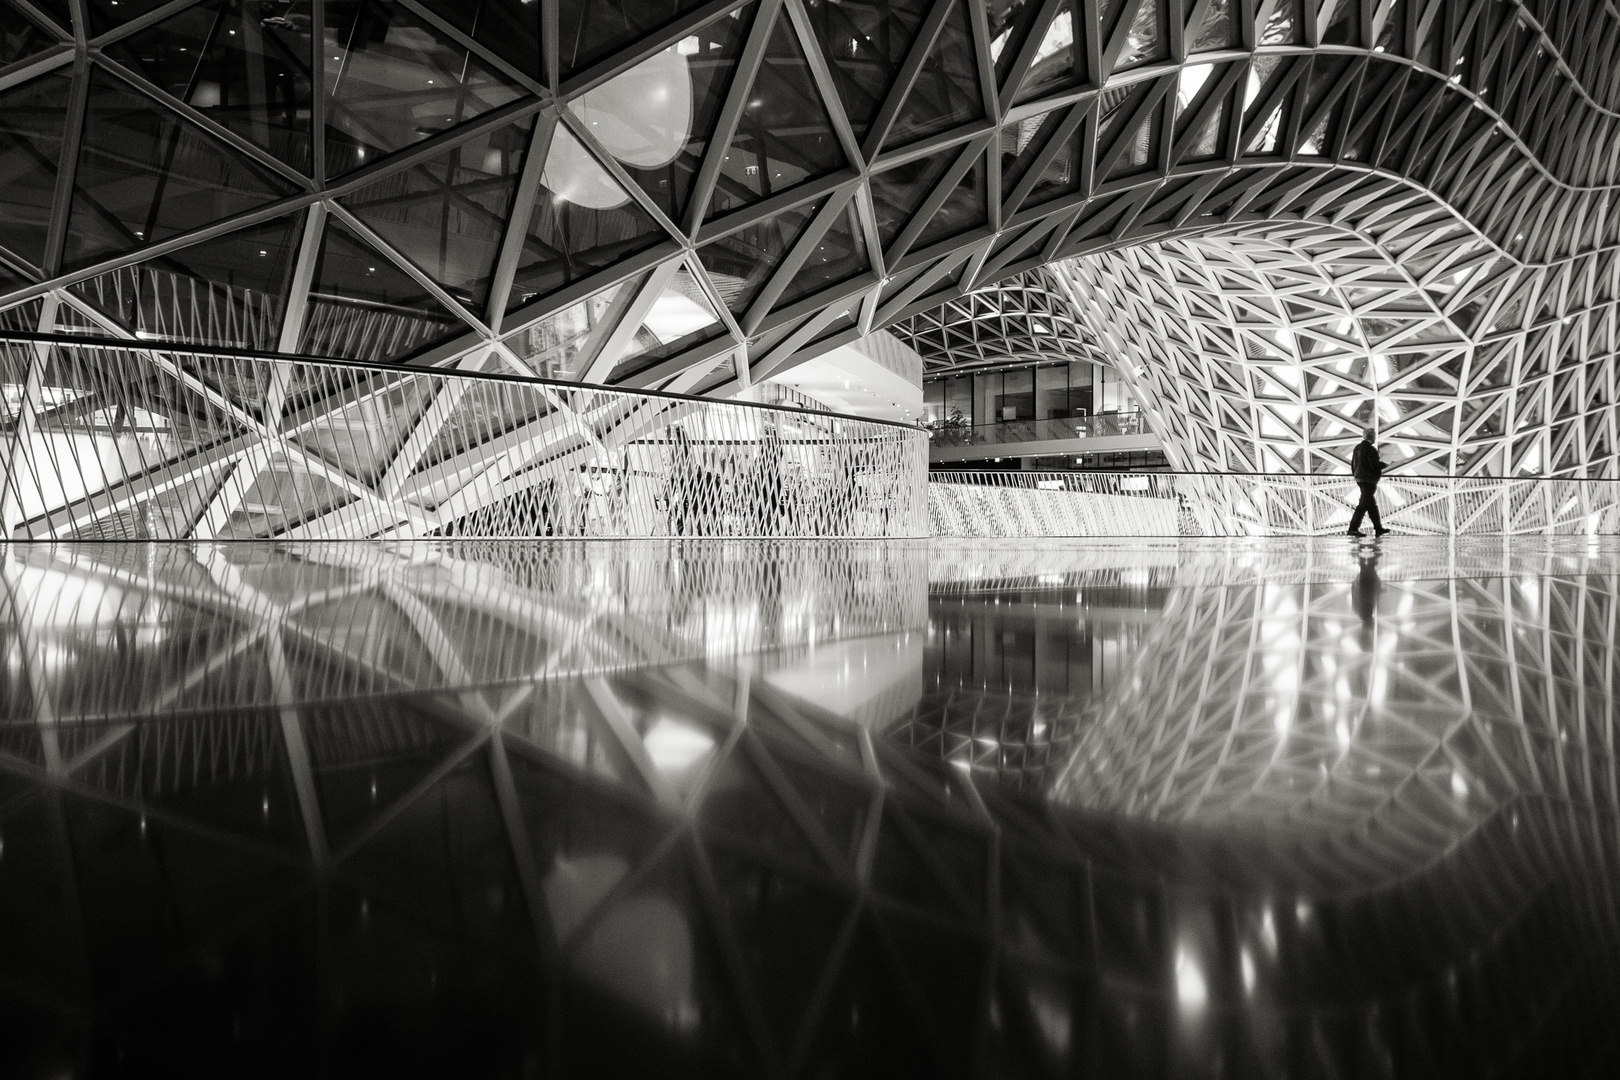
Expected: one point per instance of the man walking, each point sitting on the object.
(1367, 467)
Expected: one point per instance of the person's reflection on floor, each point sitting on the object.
(1364, 593)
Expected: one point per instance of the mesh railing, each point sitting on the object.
(987, 503)
(119, 440)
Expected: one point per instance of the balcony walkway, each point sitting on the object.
(1102, 433)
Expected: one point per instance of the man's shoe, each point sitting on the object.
(1356, 533)
(1380, 532)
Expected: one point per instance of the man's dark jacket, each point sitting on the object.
(1365, 463)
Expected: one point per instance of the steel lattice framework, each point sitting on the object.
(1269, 353)
(697, 196)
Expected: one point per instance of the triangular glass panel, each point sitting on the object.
(656, 118)
(865, 44)
(1219, 30)
(363, 307)
(508, 28)
(1062, 173)
(448, 214)
(680, 318)
(1146, 40)
(145, 174)
(739, 263)
(1286, 25)
(1138, 150)
(31, 119)
(784, 136)
(1009, 24)
(1206, 143)
(592, 30)
(58, 11)
(1345, 26)
(108, 15)
(250, 74)
(10, 279)
(838, 256)
(20, 36)
(230, 290)
(1058, 59)
(946, 92)
(963, 209)
(897, 192)
(393, 81)
(583, 221)
(558, 347)
(1022, 142)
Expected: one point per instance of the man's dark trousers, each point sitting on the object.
(1369, 488)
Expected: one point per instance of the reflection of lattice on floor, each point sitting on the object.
(544, 824)
(1397, 712)
(365, 619)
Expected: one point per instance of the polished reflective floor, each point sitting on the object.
(1209, 809)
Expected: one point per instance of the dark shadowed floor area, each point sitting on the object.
(1201, 809)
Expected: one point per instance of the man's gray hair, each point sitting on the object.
(1369, 433)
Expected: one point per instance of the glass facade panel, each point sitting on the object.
(1219, 29)
(1015, 397)
(1021, 143)
(657, 118)
(965, 208)
(838, 256)
(584, 220)
(364, 307)
(239, 61)
(897, 192)
(393, 81)
(680, 318)
(508, 28)
(946, 92)
(228, 291)
(448, 215)
(865, 44)
(20, 36)
(1009, 24)
(1058, 58)
(959, 398)
(31, 119)
(144, 175)
(108, 15)
(1146, 40)
(785, 134)
(592, 30)
(561, 345)
(739, 264)
(1042, 392)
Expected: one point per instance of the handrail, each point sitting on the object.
(238, 353)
